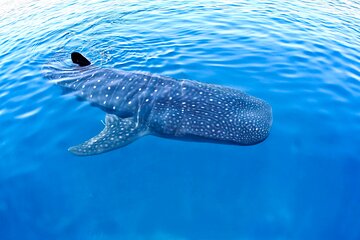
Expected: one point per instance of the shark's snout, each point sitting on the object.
(254, 124)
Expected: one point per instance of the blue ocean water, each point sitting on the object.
(303, 182)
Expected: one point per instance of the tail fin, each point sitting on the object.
(79, 59)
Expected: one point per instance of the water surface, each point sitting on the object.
(301, 183)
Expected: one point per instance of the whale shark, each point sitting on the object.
(140, 103)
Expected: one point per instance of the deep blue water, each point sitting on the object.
(303, 182)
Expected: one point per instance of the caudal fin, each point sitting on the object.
(118, 132)
(79, 59)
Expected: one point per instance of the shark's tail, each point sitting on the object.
(79, 59)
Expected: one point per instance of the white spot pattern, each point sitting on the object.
(185, 109)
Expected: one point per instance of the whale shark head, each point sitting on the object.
(212, 113)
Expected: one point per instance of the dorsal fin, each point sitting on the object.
(79, 59)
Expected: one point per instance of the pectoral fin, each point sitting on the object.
(118, 132)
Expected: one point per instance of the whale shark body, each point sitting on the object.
(138, 104)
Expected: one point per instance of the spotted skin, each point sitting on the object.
(139, 103)
(118, 132)
(212, 113)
